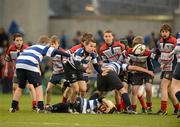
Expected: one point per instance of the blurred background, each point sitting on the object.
(68, 19)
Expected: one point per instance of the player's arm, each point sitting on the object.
(136, 68)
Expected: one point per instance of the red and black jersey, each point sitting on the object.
(12, 52)
(166, 46)
(140, 60)
(113, 52)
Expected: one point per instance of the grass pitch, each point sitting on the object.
(26, 118)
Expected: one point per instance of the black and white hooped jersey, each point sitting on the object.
(30, 58)
(87, 106)
(118, 68)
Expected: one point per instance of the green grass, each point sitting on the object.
(26, 118)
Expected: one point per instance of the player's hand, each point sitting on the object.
(89, 71)
(162, 66)
(151, 73)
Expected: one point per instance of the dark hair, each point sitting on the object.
(14, 36)
(108, 31)
(89, 40)
(166, 27)
(86, 36)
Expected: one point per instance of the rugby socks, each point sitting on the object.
(122, 104)
(143, 104)
(134, 107)
(40, 105)
(178, 95)
(64, 99)
(34, 104)
(163, 106)
(149, 104)
(14, 104)
(176, 107)
(126, 99)
(94, 96)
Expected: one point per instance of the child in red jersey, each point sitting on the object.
(111, 51)
(12, 53)
(137, 78)
(167, 44)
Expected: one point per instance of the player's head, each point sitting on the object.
(54, 41)
(165, 31)
(107, 106)
(18, 40)
(89, 45)
(138, 40)
(44, 40)
(85, 37)
(108, 37)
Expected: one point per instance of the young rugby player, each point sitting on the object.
(58, 72)
(78, 64)
(11, 56)
(27, 69)
(167, 44)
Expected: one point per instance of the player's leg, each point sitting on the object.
(82, 88)
(32, 92)
(173, 99)
(48, 93)
(164, 96)
(135, 90)
(67, 93)
(21, 76)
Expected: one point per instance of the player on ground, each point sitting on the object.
(96, 106)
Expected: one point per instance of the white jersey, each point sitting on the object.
(118, 68)
(30, 58)
(177, 50)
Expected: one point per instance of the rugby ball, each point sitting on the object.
(139, 49)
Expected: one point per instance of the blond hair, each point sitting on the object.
(54, 39)
(43, 39)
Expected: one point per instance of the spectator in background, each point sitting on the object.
(77, 39)
(99, 37)
(151, 40)
(3, 39)
(130, 37)
(64, 40)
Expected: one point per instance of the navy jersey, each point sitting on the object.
(80, 57)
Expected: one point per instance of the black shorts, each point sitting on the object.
(56, 78)
(123, 76)
(139, 78)
(176, 73)
(25, 75)
(72, 74)
(109, 82)
(167, 75)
